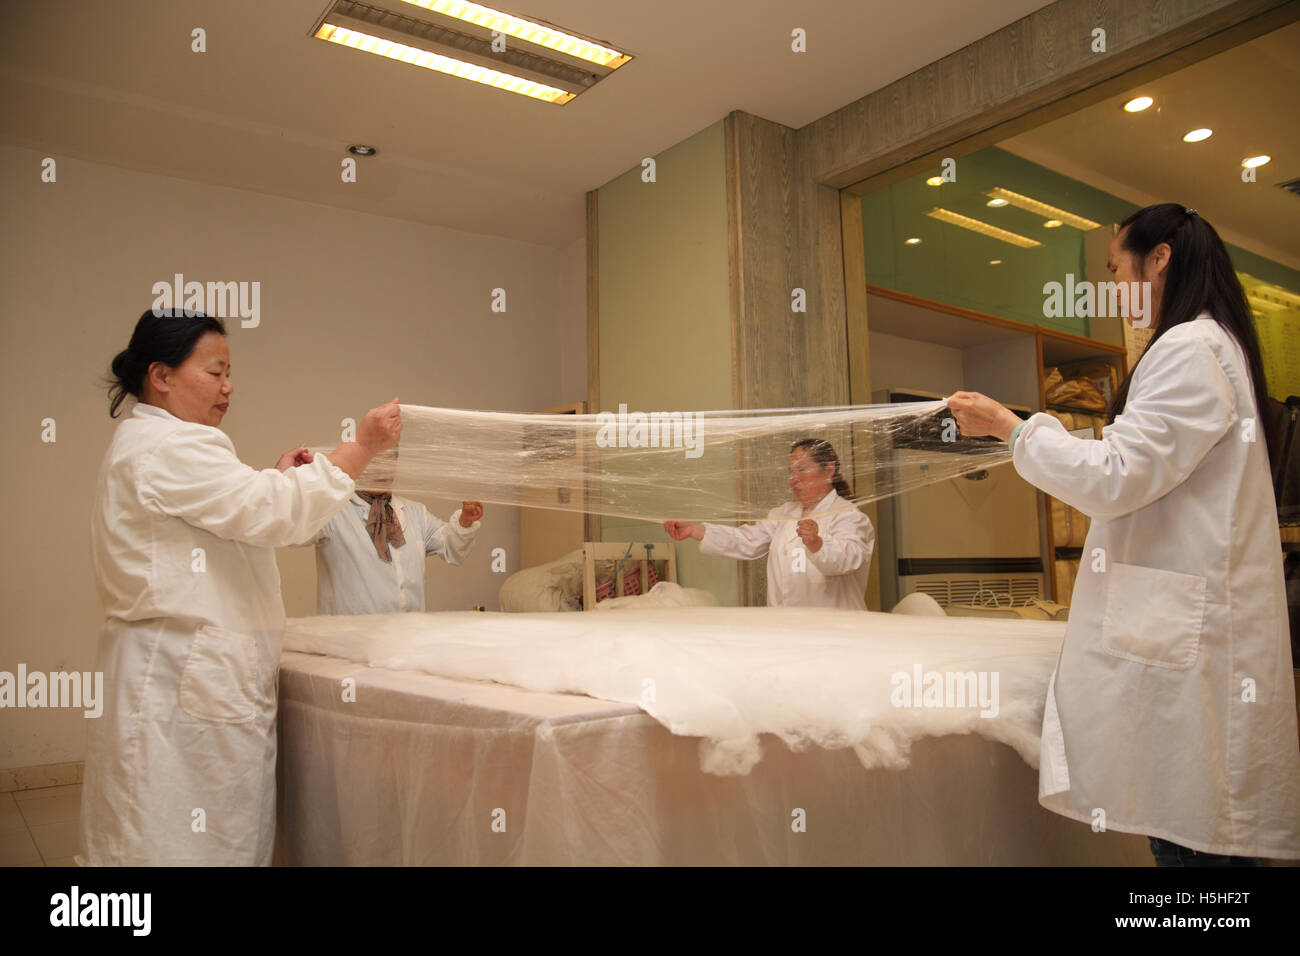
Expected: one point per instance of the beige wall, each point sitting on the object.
(898, 363)
(665, 321)
(355, 309)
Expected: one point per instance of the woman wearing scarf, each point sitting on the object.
(370, 556)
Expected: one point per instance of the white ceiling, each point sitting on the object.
(269, 109)
(1247, 95)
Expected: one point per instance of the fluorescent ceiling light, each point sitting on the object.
(1138, 104)
(1197, 135)
(528, 30)
(473, 42)
(1260, 305)
(1281, 297)
(983, 228)
(369, 43)
(1266, 299)
(1042, 208)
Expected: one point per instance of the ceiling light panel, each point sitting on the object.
(1042, 209)
(369, 43)
(983, 228)
(530, 31)
(530, 58)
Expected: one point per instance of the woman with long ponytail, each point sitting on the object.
(1172, 708)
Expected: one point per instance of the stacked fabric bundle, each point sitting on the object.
(1067, 569)
(1082, 385)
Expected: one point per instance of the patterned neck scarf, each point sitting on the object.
(381, 523)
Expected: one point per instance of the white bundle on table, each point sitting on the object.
(810, 676)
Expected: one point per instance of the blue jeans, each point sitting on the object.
(1171, 854)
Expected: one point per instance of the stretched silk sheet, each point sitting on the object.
(723, 466)
(835, 679)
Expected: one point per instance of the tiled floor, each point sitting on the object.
(39, 827)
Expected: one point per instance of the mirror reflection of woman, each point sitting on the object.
(370, 557)
(818, 546)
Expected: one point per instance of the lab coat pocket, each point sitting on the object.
(1153, 616)
(219, 682)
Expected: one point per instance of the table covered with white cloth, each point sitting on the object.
(672, 736)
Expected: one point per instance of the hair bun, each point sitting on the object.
(123, 361)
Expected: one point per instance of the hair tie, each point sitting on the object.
(1189, 210)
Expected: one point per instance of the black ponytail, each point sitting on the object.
(1199, 278)
(820, 451)
(166, 335)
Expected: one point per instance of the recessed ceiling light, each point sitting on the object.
(356, 149)
(369, 43)
(527, 30)
(468, 40)
(1052, 224)
(934, 181)
(995, 262)
(1264, 297)
(1250, 162)
(983, 228)
(1197, 135)
(913, 241)
(995, 203)
(1138, 104)
(1042, 209)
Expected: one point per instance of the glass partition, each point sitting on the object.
(1006, 230)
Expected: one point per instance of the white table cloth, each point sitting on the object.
(421, 769)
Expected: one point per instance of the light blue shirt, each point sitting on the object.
(351, 578)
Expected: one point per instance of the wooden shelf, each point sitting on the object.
(1000, 357)
(1075, 409)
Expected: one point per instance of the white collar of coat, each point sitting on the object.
(145, 410)
(830, 496)
(820, 506)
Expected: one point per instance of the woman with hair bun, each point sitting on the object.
(818, 546)
(1172, 708)
(180, 766)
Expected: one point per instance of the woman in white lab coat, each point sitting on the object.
(818, 546)
(180, 767)
(1171, 712)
